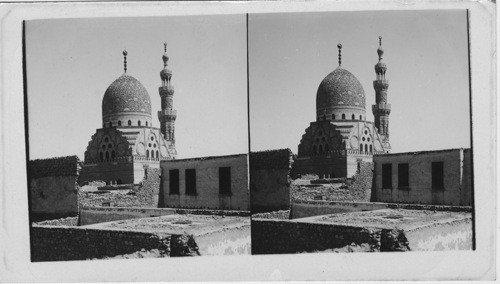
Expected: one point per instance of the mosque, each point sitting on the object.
(127, 142)
(341, 137)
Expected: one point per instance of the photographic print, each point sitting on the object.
(137, 137)
(360, 132)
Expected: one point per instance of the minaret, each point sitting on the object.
(381, 109)
(167, 114)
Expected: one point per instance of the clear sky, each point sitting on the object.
(71, 62)
(427, 58)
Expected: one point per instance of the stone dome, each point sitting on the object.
(125, 95)
(339, 89)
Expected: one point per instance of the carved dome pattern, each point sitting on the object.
(340, 88)
(126, 94)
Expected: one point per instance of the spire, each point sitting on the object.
(165, 56)
(380, 51)
(125, 60)
(339, 46)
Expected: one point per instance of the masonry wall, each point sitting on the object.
(457, 178)
(333, 166)
(302, 209)
(109, 172)
(207, 183)
(284, 236)
(53, 186)
(270, 180)
(51, 243)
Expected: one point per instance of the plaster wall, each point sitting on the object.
(456, 235)
(54, 194)
(456, 174)
(207, 183)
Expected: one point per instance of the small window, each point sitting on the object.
(403, 176)
(129, 123)
(314, 149)
(320, 149)
(139, 123)
(107, 156)
(110, 124)
(113, 154)
(190, 182)
(327, 148)
(174, 181)
(119, 123)
(343, 116)
(225, 180)
(118, 181)
(333, 116)
(353, 117)
(437, 175)
(146, 123)
(371, 149)
(360, 117)
(147, 154)
(101, 156)
(361, 147)
(366, 147)
(386, 175)
(157, 155)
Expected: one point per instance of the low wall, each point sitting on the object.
(93, 215)
(228, 241)
(302, 209)
(456, 235)
(50, 243)
(282, 236)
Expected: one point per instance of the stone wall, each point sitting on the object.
(360, 188)
(270, 180)
(110, 172)
(281, 214)
(145, 195)
(457, 178)
(53, 186)
(284, 236)
(74, 243)
(302, 209)
(331, 166)
(208, 194)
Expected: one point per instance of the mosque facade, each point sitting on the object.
(341, 137)
(127, 142)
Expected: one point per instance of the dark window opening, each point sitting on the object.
(360, 117)
(146, 123)
(320, 149)
(157, 155)
(366, 147)
(225, 180)
(113, 154)
(314, 149)
(333, 116)
(174, 181)
(353, 117)
(101, 156)
(139, 123)
(190, 182)
(361, 147)
(107, 156)
(437, 175)
(129, 123)
(147, 154)
(343, 116)
(110, 124)
(371, 149)
(386, 175)
(119, 123)
(327, 148)
(119, 181)
(324, 117)
(403, 176)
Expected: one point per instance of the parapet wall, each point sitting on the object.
(51, 243)
(270, 180)
(284, 236)
(53, 186)
(302, 209)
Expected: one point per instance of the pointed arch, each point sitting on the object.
(147, 154)
(343, 116)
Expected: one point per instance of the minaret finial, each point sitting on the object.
(165, 44)
(339, 46)
(380, 51)
(165, 56)
(125, 60)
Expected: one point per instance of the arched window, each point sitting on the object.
(107, 156)
(139, 123)
(343, 116)
(129, 122)
(146, 123)
(327, 148)
(371, 148)
(333, 116)
(158, 155)
(119, 181)
(113, 154)
(366, 147)
(314, 149)
(119, 123)
(360, 117)
(110, 124)
(320, 149)
(361, 147)
(353, 117)
(101, 156)
(147, 154)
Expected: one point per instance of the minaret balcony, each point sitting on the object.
(381, 84)
(167, 112)
(381, 108)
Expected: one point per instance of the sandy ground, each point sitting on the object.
(178, 224)
(389, 218)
